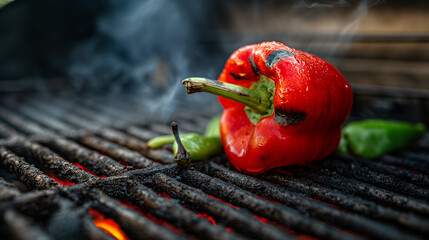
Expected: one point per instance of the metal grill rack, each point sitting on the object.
(98, 154)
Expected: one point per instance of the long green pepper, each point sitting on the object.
(198, 146)
(374, 137)
(370, 138)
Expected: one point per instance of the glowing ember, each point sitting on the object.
(87, 170)
(164, 195)
(108, 225)
(265, 221)
(59, 181)
(210, 218)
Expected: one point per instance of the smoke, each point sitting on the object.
(147, 47)
(339, 3)
(342, 29)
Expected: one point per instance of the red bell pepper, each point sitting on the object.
(287, 106)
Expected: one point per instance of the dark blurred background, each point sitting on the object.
(108, 43)
(148, 46)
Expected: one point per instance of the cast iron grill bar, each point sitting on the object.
(160, 128)
(346, 186)
(103, 117)
(94, 161)
(20, 227)
(117, 152)
(113, 111)
(160, 155)
(7, 132)
(196, 199)
(356, 181)
(302, 181)
(350, 167)
(27, 173)
(139, 110)
(84, 113)
(411, 163)
(282, 214)
(141, 133)
(50, 160)
(61, 217)
(122, 139)
(406, 174)
(23, 125)
(307, 206)
(44, 120)
(135, 144)
(167, 209)
(8, 191)
(65, 115)
(134, 224)
(421, 154)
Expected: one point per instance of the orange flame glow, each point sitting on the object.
(108, 225)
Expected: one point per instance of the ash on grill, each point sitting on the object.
(66, 166)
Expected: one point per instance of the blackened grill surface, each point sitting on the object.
(99, 158)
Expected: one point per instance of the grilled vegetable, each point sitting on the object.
(281, 106)
(374, 137)
(198, 147)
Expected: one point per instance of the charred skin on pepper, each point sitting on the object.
(253, 65)
(287, 117)
(275, 56)
(237, 77)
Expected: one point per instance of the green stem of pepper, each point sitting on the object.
(259, 101)
(183, 158)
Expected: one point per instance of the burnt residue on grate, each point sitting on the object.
(44, 213)
(351, 167)
(8, 191)
(28, 174)
(148, 196)
(334, 215)
(269, 210)
(117, 152)
(6, 131)
(310, 181)
(135, 144)
(49, 160)
(198, 200)
(131, 221)
(21, 124)
(167, 209)
(93, 160)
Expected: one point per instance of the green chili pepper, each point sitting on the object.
(198, 146)
(212, 129)
(374, 137)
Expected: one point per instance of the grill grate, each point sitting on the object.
(99, 160)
